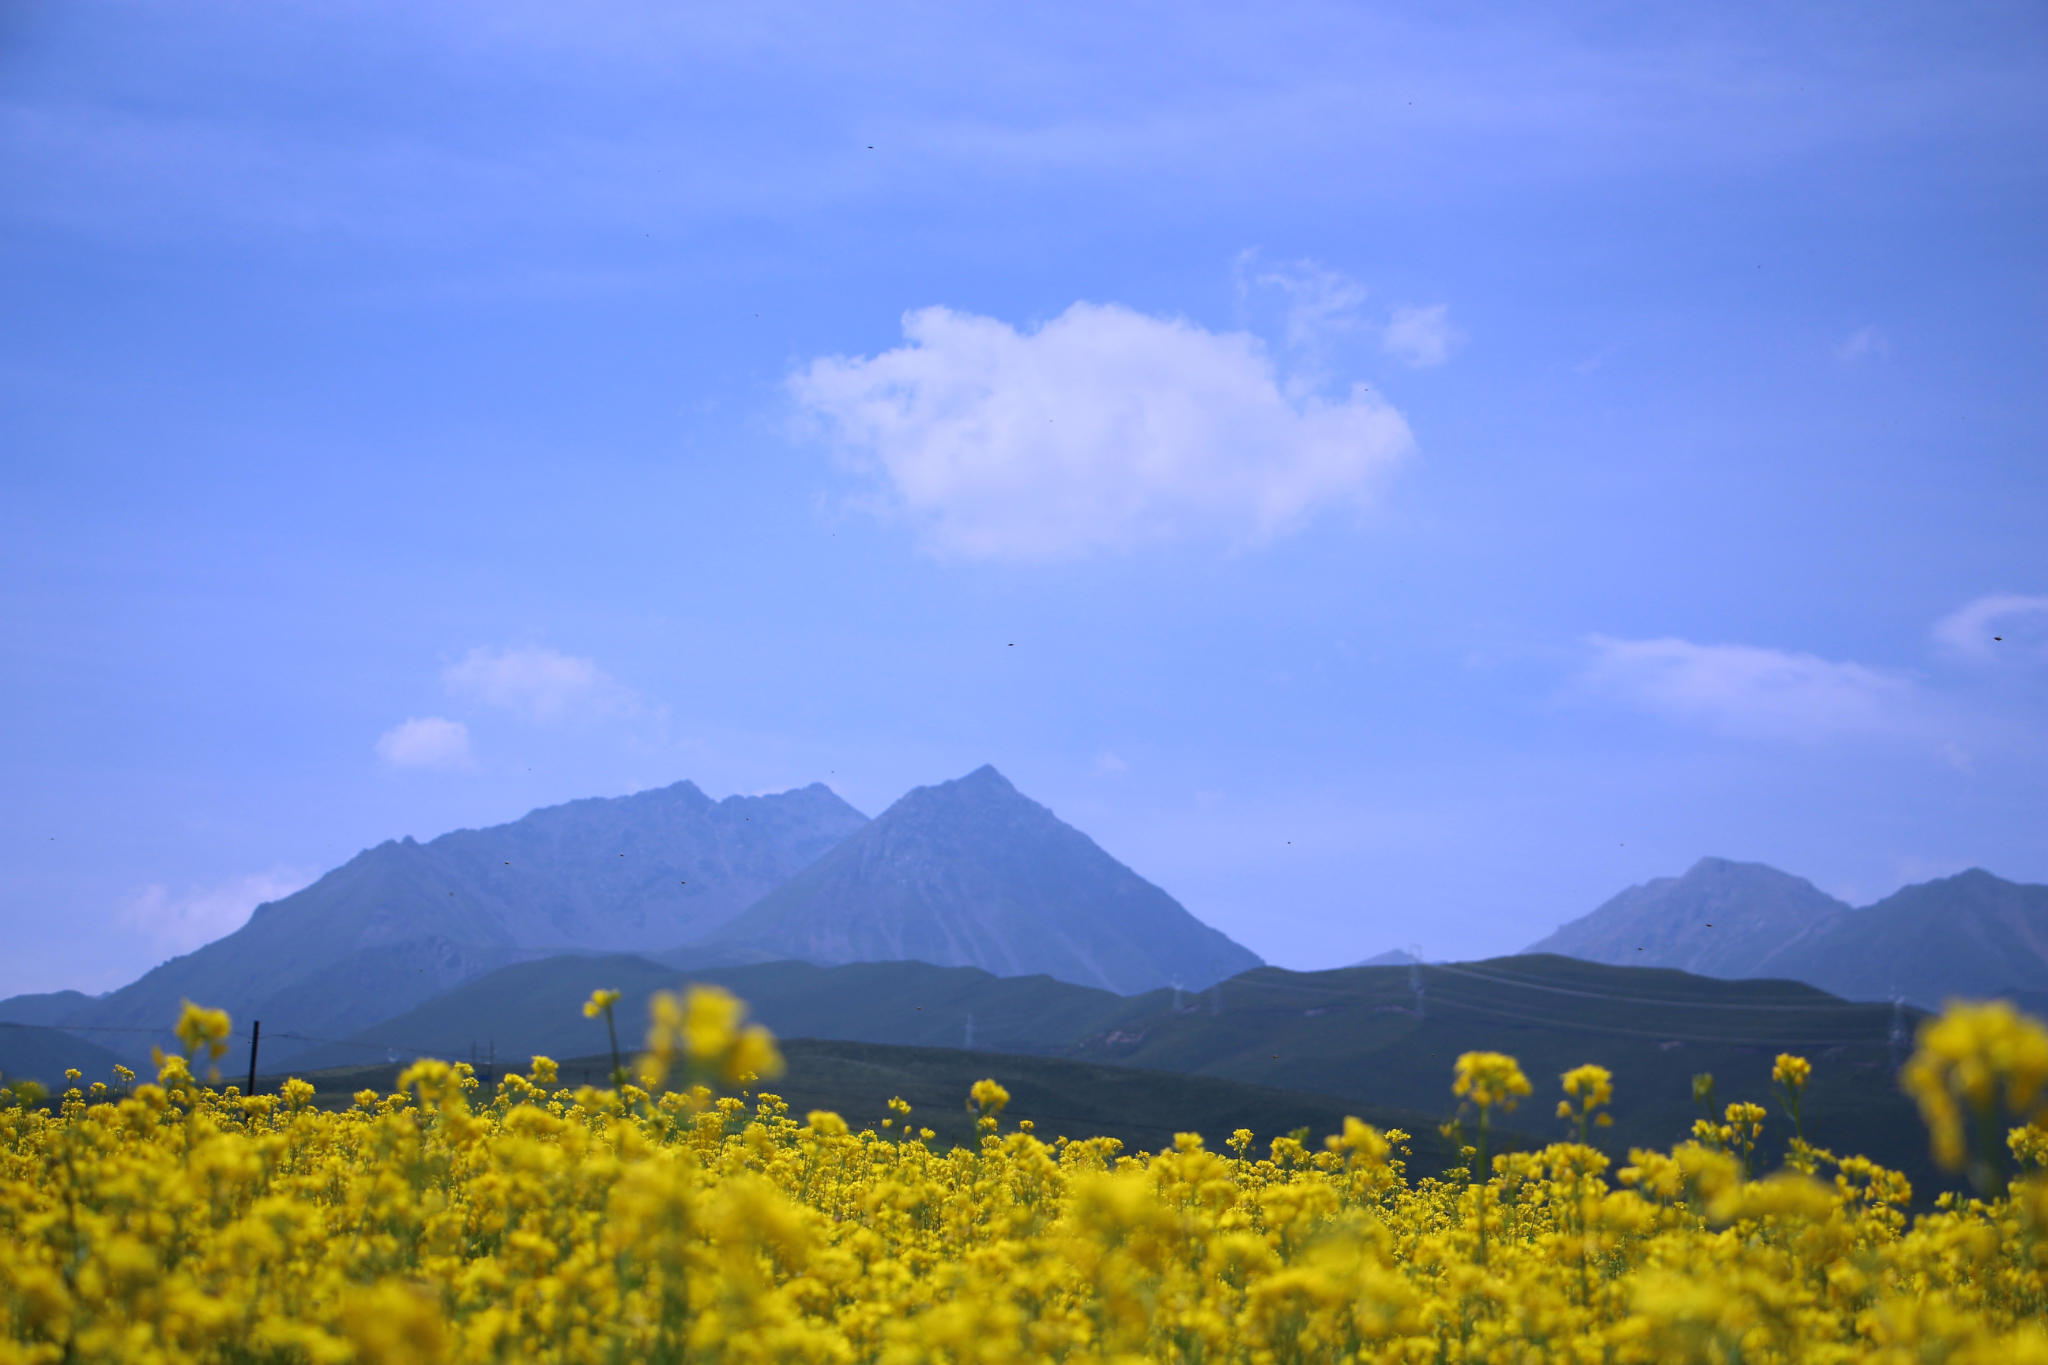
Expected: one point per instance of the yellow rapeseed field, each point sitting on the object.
(660, 1220)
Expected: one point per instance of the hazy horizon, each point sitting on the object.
(1388, 476)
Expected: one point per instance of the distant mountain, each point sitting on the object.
(42, 1054)
(1721, 918)
(1393, 957)
(402, 922)
(1971, 935)
(52, 1007)
(972, 873)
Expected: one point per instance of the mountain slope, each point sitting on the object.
(1721, 918)
(30, 1052)
(1142, 1109)
(1385, 1036)
(1369, 1034)
(536, 1007)
(48, 1007)
(1970, 935)
(973, 873)
(403, 922)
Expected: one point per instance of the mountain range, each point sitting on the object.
(1971, 935)
(972, 873)
(969, 872)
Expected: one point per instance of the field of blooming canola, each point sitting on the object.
(661, 1220)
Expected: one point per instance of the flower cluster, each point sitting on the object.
(166, 1222)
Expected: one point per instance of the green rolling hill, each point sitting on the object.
(536, 1007)
(1143, 1109)
(1370, 1035)
(1382, 1038)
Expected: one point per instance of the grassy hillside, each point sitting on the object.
(1364, 1034)
(42, 1054)
(1144, 1109)
(1359, 1035)
(536, 1007)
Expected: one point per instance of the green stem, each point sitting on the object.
(612, 1030)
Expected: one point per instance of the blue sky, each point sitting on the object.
(1393, 475)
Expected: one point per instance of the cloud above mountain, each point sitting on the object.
(178, 922)
(536, 683)
(1749, 690)
(432, 742)
(1105, 429)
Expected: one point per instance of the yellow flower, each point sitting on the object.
(710, 1023)
(1791, 1072)
(825, 1123)
(754, 1057)
(600, 1002)
(1491, 1080)
(395, 1324)
(988, 1097)
(184, 1226)
(1982, 1056)
(206, 1028)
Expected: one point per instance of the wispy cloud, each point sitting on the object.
(178, 922)
(1325, 304)
(431, 742)
(1865, 343)
(2000, 627)
(1751, 691)
(1321, 302)
(1104, 429)
(1420, 336)
(536, 683)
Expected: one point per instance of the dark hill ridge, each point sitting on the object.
(973, 873)
(1381, 1036)
(30, 1052)
(1142, 1109)
(404, 921)
(536, 1007)
(1970, 935)
(1391, 1035)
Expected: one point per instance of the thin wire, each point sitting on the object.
(1528, 985)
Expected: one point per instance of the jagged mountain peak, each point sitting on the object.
(1721, 918)
(406, 919)
(971, 872)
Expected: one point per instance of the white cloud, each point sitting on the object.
(426, 742)
(540, 684)
(1104, 429)
(1751, 691)
(179, 923)
(1865, 343)
(1420, 336)
(1110, 764)
(2002, 626)
(1320, 302)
